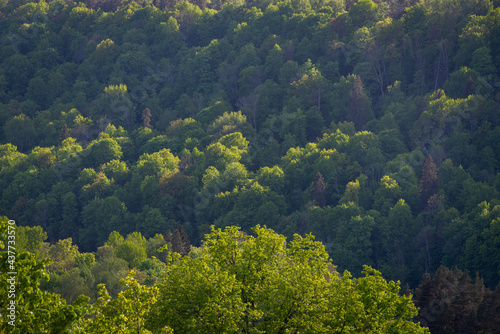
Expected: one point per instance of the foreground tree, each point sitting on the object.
(239, 283)
(124, 314)
(36, 311)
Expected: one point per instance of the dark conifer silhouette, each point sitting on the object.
(428, 182)
(146, 118)
(186, 245)
(449, 302)
(318, 191)
(179, 240)
(358, 104)
(64, 133)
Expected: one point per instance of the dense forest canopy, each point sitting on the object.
(374, 125)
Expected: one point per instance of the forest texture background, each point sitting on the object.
(372, 125)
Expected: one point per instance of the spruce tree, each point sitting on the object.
(177, 242)
(146, 118)
(186, 245)
(358, 105)
(318, 191)
(428, 182)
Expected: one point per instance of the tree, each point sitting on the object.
(179, 240)
(126, 313)
(151, 221)
(239, 283)
(272, 177)
(102, 151)
(318, 190)
(353, 240)
(449, 302)
(36, 311)
(482, 61)
(387, 194)
(229, 123)
(116, 170)
(363, 11)
(99, 218)
(351, 193)
(146, 118)
(99, 186)
(186, 245)
(359, 105)
(109, 270)
(429, 185)
(132, 249)
(20, 131)
(63, 255)
(458, 84)
(30, 239)
(155, 164)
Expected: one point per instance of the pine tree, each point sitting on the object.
(449, 302)
(429, 182)
(358, 104)
(186, 245)
(146, 118)
(318, 191)
(177, 242)
(488, 312)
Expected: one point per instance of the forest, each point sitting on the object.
(259, 166)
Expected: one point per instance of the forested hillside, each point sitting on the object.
(375, 126)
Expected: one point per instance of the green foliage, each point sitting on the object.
(246, 283)
(132, 249)
(102, 151)
(125, 313)
(20, 131)
(304, 115)
(35, 310)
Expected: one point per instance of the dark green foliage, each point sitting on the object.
(305, 116)
(429, 182)
(179, 240)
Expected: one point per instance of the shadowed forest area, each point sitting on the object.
(227, 135)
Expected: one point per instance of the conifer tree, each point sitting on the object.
(146, 118)
(176, 242)
(429, 181)
(318, 191)
(179, 240)
(358, 104)
(449, 302)
(186, 245)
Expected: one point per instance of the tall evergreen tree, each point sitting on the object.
(176, 242)
(186, 245)
(179, 240)
(358, 106)
(429, 181)
(449, 302)
(64, 133)
(318, 191)
(146, 118)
